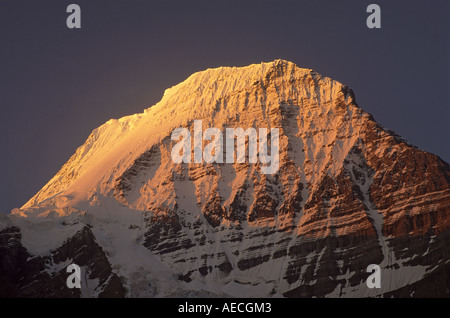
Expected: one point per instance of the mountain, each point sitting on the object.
(347, 193)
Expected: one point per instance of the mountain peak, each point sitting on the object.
(203, 95)
(347, 194)
(235, 78)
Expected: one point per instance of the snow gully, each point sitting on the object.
(213, 152)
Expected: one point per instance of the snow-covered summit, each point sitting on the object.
(112, 147)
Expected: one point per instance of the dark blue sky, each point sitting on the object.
(57, 85)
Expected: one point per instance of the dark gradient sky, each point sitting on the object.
(57, 84)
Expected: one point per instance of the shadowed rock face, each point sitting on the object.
(347, 194)
(26, 276)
